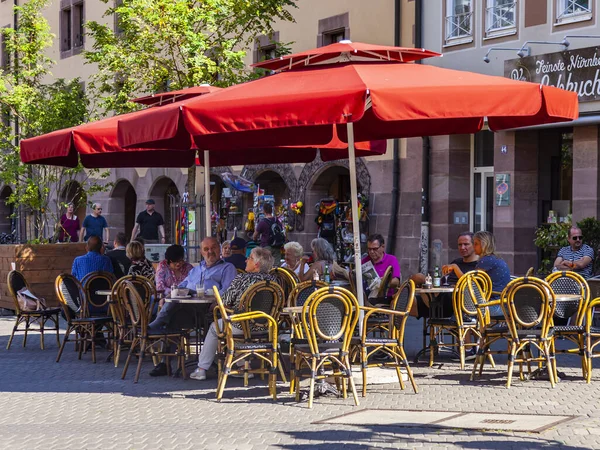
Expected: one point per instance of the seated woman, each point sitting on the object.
(172, 270)
(322, 254)
(258, 265)
(226, 249)
(139, 264)
(293, 257)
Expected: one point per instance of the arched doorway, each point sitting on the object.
(6, 211)
(122, 208)
(271, 183)
(72, 193)
(165, 192)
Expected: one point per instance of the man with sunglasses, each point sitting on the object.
(381, 260)
(577, 256)
(94, 225)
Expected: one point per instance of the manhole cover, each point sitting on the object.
(450, 419)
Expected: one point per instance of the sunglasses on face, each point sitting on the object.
(577, 238)
(374, 249)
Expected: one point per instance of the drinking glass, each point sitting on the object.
(200, 290)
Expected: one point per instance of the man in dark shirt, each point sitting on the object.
(264, 231)
(94, 225)
(150, 225)
(238, 253)
(467, 261)
(119, 259)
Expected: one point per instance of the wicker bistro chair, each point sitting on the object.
(393, 343)
(529, 304)
(15, 282)
(72, 298)
(241, 348)
(592, 337)
(328, 320)
(148, 341)
(97, 305)
(123, 329)
(568, 282)
(238, 270)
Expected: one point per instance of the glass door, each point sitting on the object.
(483, 199)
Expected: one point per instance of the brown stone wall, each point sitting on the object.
(586, 165)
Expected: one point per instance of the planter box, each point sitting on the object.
(40, 264)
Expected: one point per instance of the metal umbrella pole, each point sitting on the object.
(207, 208)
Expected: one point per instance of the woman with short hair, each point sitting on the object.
(293, 253)
(226, 249)
(139, 264)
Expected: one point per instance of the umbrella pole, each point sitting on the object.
(355, 224)
(207, 207)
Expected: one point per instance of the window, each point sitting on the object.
(459, 21)
(568, 11)
(71, 27)
(333, 29)
(500, 18)
(333, 37)
(265, 48)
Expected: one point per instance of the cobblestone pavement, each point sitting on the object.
(78, 405)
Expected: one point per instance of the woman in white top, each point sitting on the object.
(293, 257)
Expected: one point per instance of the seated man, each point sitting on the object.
(258, 265)
(381, 261)
(92, 261)
(118, 256)
(577, 256)
(238, 253)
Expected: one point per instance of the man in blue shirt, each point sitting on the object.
(92, 261)
(94, 225)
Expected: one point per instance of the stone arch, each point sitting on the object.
(122, 208)
(313, 170)
(164, 191)
(6, 210)
(73, 193)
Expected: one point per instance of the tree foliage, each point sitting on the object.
(31, 106)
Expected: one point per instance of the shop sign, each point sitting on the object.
(573, 70)
(502, 189)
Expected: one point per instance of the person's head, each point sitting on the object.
(150, 204)
(260, 260)
(175, 256)
(70, 208)
(211, 250)
(575, 238)
(465, 244)
(120, 240)
(135, 251)
(226, 249)
(238, 246)
(268, 208)
(94, 244)
(322, 250)
(484, 243)
(97, 209)
(375, 247)
(293, 251)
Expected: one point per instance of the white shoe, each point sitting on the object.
(198, 374)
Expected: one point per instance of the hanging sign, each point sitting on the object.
(502, 189)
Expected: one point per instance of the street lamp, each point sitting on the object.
(584, 36)
(486, 58)
(522, 53)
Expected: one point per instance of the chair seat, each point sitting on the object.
(376, 341)
(569, 329)
(97, 320)
(254, 346)
(378, 318)
(533, 333)
(42, 312)
(166, 332)
(498, 318)
(325, 348)
(498, 330)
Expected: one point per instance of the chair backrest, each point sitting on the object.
(329, 315)
(238, 270)
(303, 290)
(472, 289)
(264, 296)
(135, 307)
(567, 282)
(93, 282)
(528, 303)
(386, 279)
(285, 279)
(70, 295)
(16, 281)
(530, 272)
(401, 302)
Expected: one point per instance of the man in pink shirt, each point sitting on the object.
(381, 260)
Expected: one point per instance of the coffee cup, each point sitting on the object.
(209, 292)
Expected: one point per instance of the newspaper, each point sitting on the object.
(370, 277)
(28, 293)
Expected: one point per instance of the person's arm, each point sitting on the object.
(304, 269)
(448, 268)
(106, 233)
(314, 267)
(135, 231)
(81, 234)
(581, 263)
(161, 232)
(562, 264)
(233, 292)
(74, 269)
(396, 277)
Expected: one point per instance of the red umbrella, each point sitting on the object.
(175, 96)
(364, 92)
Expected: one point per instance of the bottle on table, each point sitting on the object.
(428, 282)
(326, 275)
(437, 277)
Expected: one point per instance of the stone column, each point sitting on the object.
(586, 170)
(514, 225)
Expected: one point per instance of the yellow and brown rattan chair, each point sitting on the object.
(286, 278)
(328, 321)
(393, 343)
(146, 340)
(238, 270)
(85, 329)
(592, 337)
(16, 281)
(567, 282)
(255, 321)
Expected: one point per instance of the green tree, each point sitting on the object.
(162, 45)
(30, 106)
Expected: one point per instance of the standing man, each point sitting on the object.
(118, 256)
(151, 225)
(271, 233)
(577, 256)
(94, 225)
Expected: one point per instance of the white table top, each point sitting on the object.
(104, 292)
(432, 290)
(191, 300)
(567, 297)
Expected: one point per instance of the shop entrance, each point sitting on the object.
(482, 182)
(164, 192)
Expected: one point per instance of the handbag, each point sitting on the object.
(28, 302)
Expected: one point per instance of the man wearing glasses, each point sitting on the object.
(577, 256)
(94, 225)
(381, 260)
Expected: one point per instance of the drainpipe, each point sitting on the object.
(424, 245)
(391, 240)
